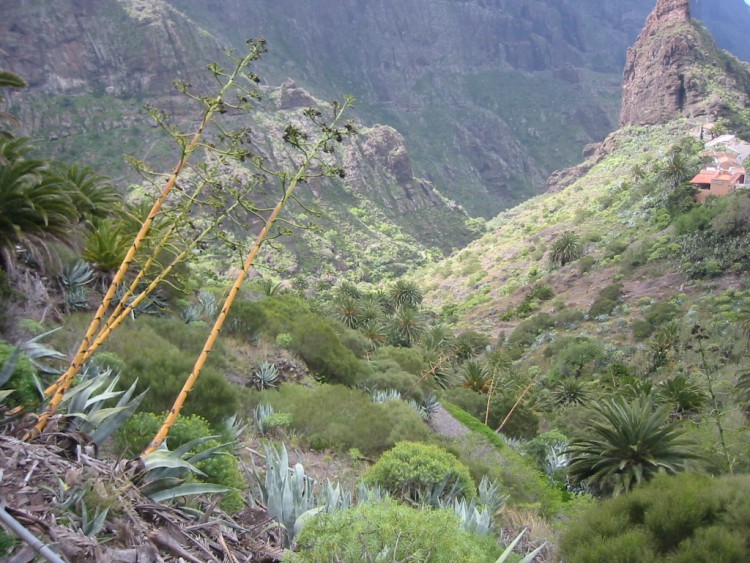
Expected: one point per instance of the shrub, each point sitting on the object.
(162, 367)
(321, 349)
(411, 469)
(688, 517)
(137, 432)
(334, 416)
(660, 313)
(368, 531)
(585, 264)
(387, 374)
(641, 329)
(21, 381)
(409, 359)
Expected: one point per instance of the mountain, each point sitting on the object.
(489, 96)
(617, 202)
(483, 99)
(671, 71)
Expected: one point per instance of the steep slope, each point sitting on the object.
(618, 215)
(100, 61)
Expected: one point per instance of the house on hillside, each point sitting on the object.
(732, 145)
(724, 175)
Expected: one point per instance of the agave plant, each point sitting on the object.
(490, 495)
(629, 443)
(77, 274)
(168, 474)
(287, 493)
(385, 395)
(265, 376)
(474, 519)
(85, 403)
(430, 404)
(76, 299)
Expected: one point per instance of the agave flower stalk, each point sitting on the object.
(211, 107)
(312, 152)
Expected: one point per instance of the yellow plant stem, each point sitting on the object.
(174, 412)
(123, 313)
(66, 378)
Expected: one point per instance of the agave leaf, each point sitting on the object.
(205, 454)
(161, 459)
(530, 557)
(102, 397)
(189, 489)
(305, 516)
(5, 394)
(508, 550)
(161, 484)
(113, 423)
(185, 448)
(10, 366)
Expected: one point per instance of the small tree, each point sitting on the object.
(566, 249)
(629, 444)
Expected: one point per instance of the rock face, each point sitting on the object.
(490, 96)
(675, 70)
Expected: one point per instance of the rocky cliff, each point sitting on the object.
(490, 96)
(674, 69)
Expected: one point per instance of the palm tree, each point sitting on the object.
(35, 207)
(566, 249)
(406, 327)
(94, 196)
(629, 444)
(405, 294)
(7, 120)
(347, 310)
(475, 376)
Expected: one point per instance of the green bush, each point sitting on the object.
(585, 264)
(683, 518)
(660, 313)
(162, 367)
(137, 432)
(321, 349)
(641, 329)
(368, 531)
(22, 381)
(409, 359)
(387, 374)
(340, 418)
(411, 469)
(606, 301)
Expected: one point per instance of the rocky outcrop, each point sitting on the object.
(111, 47)
(675, 70)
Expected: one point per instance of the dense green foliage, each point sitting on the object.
(411, 470)
(368, 531)
(685, 518)
(22, 380)
(630, 443)
(336, 417)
